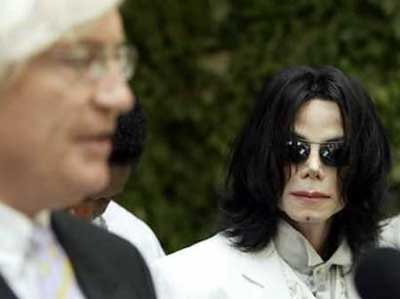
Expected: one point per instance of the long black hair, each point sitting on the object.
(256, 178)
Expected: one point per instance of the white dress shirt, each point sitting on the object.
(124, 224)
(31, 257)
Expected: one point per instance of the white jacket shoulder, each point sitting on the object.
(126, 225)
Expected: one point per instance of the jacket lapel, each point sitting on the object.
(263, 270)
(5, 291)
(94, 279)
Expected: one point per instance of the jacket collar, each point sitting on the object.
(5, 290)
(95, 280)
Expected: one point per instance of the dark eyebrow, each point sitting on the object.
(334, 139)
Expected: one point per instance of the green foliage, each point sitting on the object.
(201, 63)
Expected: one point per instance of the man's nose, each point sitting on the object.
(313, 166)
(114, 93)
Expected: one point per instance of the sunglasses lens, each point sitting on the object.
(297, 151)
(333, 154)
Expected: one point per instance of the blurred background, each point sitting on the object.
(201, 63)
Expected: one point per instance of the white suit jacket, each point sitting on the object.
(213, 269)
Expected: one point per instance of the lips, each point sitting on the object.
(311, 195)
(98, 144)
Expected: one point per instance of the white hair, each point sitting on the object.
(29, 27)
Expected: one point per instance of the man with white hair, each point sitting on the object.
(63, 74)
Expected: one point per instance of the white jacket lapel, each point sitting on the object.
(263, 270)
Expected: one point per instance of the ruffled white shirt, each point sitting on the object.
(325, 279)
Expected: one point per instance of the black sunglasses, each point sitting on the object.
(331, 153)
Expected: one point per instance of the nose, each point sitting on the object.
(313, 167)
(114, 94)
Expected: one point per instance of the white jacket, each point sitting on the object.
(213, 269)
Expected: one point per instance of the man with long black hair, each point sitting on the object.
(306, 181)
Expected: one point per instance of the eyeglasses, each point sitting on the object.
(331, 153)
(95, 62)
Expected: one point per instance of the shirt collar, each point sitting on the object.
(17, 229)
(295, 249)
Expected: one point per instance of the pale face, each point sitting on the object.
(56, 127)
(311, 195)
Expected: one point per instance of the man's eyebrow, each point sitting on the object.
(333, 139)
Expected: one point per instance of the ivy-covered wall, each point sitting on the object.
(201, 63)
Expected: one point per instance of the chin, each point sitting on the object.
(98, 181)
(91, 180)
(308, 217)
(312, 219)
